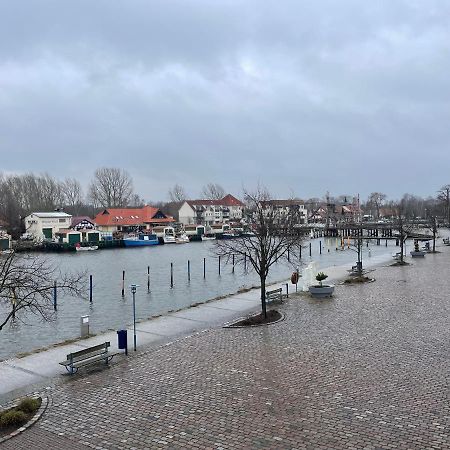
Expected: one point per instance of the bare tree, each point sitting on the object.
(177, 193)
(26, 286)
(111, 187)
(213, 191)
(375, 201)
(73, 194)
(444, 197)
(137, 201)
(273, 237)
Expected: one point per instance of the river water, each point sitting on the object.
(110, 311)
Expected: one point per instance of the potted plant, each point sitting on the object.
(321, 290)
(417, 253)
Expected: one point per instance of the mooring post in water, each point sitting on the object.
(171, 275)
(123, 283)
(148, 278)
(204, 267)
(386, 242)
(233, 263)
(90, 288)
(320, 247)
(14, 303)
(219, 264)
(54, 296)
(189, 270)
(310, 249)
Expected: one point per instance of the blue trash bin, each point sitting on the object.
(122, 340)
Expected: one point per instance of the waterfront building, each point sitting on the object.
(113, 220)
(44, 225)
(209, 212)
(293, 208)
(82, 223)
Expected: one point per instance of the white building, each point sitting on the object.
(44, 225)
(283, 208)
(209, 212)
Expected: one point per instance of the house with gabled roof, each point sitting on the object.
(111, 220)
(208, 212)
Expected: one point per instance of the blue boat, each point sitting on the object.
(141, 240)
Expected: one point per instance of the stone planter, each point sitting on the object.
(418, 254)
(323, 291)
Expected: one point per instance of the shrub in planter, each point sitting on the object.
(12, 418)
(320, 277)
(28, 405)
(321, 290)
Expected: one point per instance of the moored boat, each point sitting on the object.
(209, 237)
(141, 240)
(86, 248)
(165, 234)
(182, 239)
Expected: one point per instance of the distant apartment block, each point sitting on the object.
(293, 208)
(210, 212)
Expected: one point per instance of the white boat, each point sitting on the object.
(182, 239)
(166, 234)
(209, 237)
(90, 248)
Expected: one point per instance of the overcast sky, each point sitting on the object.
(348, 96)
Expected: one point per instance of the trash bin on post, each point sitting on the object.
(84, 325)
(122, 340)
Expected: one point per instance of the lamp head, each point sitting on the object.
(133, 288)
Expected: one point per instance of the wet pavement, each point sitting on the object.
(368, 369)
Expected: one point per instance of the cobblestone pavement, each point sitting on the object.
(368, 369)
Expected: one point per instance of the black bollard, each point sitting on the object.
(90, 288)
(219, 264)
(189, 270)
(123, 283)
(233, 263)
(310, 249)
(54, 296)
(320, 247)
(204, 267)
(287, 290)
(148, 278)
(171, 275)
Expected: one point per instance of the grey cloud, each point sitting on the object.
(311, 96)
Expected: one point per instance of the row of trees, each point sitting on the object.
(110, 187)
(411, 205)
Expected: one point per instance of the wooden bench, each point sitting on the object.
(274, 296)
(87, 356)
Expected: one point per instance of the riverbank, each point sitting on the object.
(37, 368)
(196, 279)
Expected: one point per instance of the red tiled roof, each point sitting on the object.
(228, 200)
(131, 216)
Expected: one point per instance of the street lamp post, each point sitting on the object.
(133, 291)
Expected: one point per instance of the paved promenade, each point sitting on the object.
(368, 369)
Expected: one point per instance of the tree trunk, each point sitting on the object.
(263, 296)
